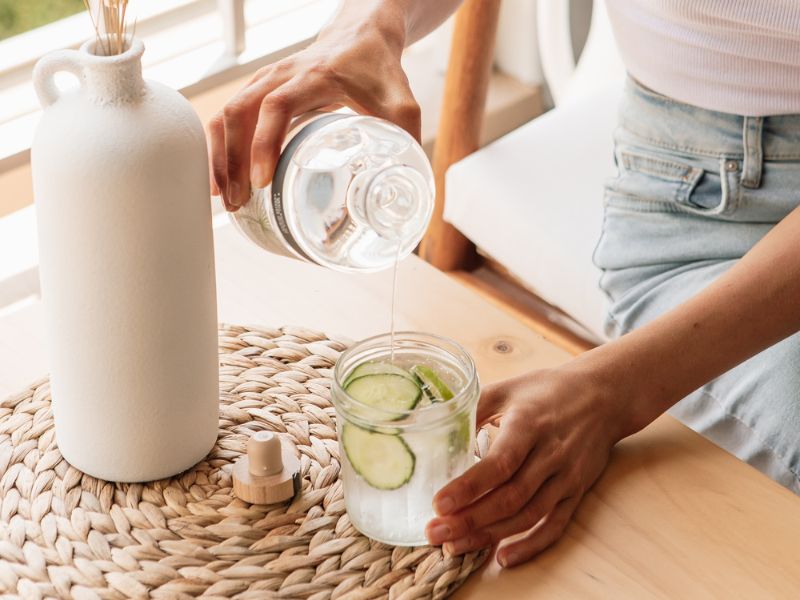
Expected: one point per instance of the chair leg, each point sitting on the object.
(463, 107)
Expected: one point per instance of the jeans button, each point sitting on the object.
(731, 165)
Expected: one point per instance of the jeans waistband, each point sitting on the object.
(666, 123)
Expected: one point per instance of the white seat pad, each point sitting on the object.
(533, 201)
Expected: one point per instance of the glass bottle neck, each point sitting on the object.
(390, 199)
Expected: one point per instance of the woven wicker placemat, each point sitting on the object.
(64, 534)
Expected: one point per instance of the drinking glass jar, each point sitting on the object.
(394, 461)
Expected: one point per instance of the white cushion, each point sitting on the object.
(533, 201)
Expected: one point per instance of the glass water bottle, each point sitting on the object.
(350, 192)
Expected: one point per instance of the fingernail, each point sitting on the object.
(233, 194)
(448, 548)
(259, 177)
(508, 560)
(439, 533)
(459, 546)
(444, 505)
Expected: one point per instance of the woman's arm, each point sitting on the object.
(422, 16)
(354, 62)
(751, 307)
(558, 426)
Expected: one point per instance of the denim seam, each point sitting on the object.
(727, 179)
(769, 157)
(646, 205)
(783, 460)
(601, 287)
(639, 88)
(729, 201)
(610, 316)
(657, 166)
(708, 153)
(609, 313)
(678, 148)
(753, 163)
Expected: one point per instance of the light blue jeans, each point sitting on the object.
(696, 190)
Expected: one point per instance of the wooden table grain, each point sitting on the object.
(672, 517)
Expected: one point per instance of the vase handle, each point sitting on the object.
(50, 64)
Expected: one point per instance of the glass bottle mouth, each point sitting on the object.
(440, 348)
(399, 203)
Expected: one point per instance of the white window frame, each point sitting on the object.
(231, 52)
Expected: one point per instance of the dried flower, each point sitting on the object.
(112, 14)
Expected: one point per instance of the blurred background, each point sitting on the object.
(16, 17)
(199, 45)
(208, 49)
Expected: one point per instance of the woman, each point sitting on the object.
(700, 249)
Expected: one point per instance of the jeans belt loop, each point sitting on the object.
(753, 152)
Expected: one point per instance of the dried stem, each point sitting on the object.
(114, 36)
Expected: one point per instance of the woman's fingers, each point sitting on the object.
(239, 124)
(359, 69)
(517, 501)
(316, 90)
(277, 109)
(231, 148)
(491, 404)
(240, 117)
(553, 421)
(506, 455)
(216, 155)
(546, 498)
(546, 533)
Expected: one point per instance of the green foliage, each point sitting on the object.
(17, 16)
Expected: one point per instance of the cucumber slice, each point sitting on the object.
(376, 368)
(384, 461)
(431, 384)
(385, 391)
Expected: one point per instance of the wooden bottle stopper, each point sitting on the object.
(268, 473)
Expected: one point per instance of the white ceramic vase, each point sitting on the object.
(121, 190)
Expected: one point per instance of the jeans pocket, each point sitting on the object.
(655, 181)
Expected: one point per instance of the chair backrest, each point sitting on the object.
(466, 84)
(599, 63)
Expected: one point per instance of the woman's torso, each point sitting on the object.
(734, 56)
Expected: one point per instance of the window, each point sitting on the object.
(191, 45)
(17, 17)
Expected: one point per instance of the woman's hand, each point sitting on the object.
(556, 430)
(557, 427)
(355, 62)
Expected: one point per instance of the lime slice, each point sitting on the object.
(431, 384)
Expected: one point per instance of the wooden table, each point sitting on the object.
(673, 516)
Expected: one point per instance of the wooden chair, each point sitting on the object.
(466, 83)
(465, 88)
